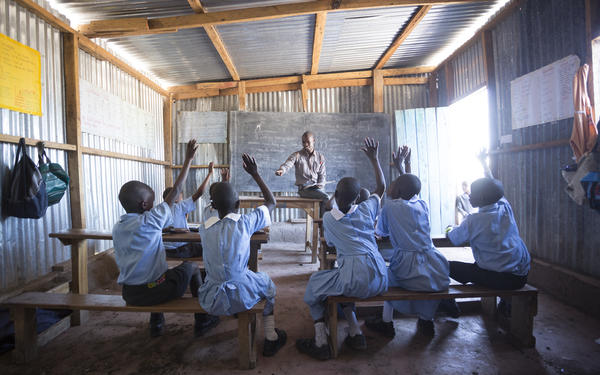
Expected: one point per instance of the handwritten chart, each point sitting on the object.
(20, 77)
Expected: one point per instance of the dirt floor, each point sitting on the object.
(119, 343)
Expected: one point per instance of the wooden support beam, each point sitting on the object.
(220, 47)
(336, 76)
(340, 83)
(406, 31)
(272, 81)
(405, 81)
(75, 167)
(377, 91)
(405, 71)
(284, 87)
(143, 26)
(118, 155)
(33, 142)
(241, 96)
(196, 5)
(591, 18)
(490, 78)
(304, 89)
(201, 166)
(168, 141)
(321, 19)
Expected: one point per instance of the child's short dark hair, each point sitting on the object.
(486, 191)
(406, 186)
(166, 192)
(363, 195)
(223, 196)
(347, 190)
(132, 193)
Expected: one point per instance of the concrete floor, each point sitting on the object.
(118, 343)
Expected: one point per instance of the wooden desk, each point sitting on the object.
(79, 260)
(309, 205)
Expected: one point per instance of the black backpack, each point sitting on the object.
(25, 196)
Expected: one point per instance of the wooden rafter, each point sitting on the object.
(321, 19)
(410, 26)
(213, 34)
(142, 26)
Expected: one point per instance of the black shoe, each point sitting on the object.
(157, 324)
(356, 342)
(203, 323)
(308, 346)
(378, 325)
(504, 308)
(425, 327)
(272, 347)
(450, 307)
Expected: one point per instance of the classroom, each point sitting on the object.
(328, 186)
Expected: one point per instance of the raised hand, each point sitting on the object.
(371, 148)
(191, 148)
(482, 155)
(211, 168)
(225, 174)
(249, 165)
(401, 156)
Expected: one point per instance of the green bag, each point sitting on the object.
(57, 180)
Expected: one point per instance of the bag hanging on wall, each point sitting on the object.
(26, 193)
(55, 177)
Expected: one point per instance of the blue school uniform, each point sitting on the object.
(229, 286)
(362, 272)
(416, 264)
(494, 238)
(139, 250)
(179, 220)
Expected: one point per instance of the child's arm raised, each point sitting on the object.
(402, 156)
(178, 186)
(202, 186)
(225, 175)
(371, 148)
(486, 168)
(250, 166)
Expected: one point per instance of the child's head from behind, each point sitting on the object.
(224, 197)
(406, 186)
(346, 192)
(136, 197)
(168, 190)
(363, 195)
(486, 191)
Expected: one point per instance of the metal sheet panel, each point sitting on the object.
(551, 224)
(104, 176)
(355, 40)
(280, 46)
(442, 25)
(86, 11)
(26, 252)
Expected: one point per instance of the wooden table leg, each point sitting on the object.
(488, 305)
(79, 282)
(315, 231)
(247, 340)
(523, 310)
(253, 260)
(308, 228)
(332, 323)
(25, 334)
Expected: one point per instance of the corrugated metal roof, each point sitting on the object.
(356, 39)
(86, 11)
(222, 5)
(180, 58)
(438, 30)
(270, 48)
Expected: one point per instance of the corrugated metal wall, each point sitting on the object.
(104, 176)
(552, 225)
(328, 100)
(25, 249)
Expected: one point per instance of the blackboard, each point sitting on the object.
(272, 136)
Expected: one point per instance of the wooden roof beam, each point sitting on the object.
(406, 31)
(321, 19)
(143, 26)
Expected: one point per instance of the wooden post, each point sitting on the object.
(433, 90)
(332, 322)
(315, 230)
(241, 96)
(304, 89)
(79, 255)
(168, 133)
(25, 334)
(247, 339)
(490, 77)
(377, 90)
(591, 18)
(523, 310)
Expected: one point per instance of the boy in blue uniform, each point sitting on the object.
(140, 254)
(415, 264)
(230, 287)
(179, 211)
(501, 257)
(362, 272)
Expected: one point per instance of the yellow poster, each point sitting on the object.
(20, 77)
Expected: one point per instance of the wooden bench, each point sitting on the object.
(524, 307)
(22, 310)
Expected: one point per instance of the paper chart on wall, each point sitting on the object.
(107, 115)
(204, 127)
(544, 95)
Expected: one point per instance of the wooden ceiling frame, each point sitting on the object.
(406, 31)
(144, 26)
(320, 21)
(216, 40)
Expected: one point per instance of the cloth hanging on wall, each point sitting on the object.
(584, 135)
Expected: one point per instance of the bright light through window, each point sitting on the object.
(469, 132)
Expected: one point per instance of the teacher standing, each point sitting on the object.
(310, 169)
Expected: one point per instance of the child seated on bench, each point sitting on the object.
(362, 272)
(179, 211)
(415, 264)
(230, 287)
(209, 211)
(140, 253)
(501, 257)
